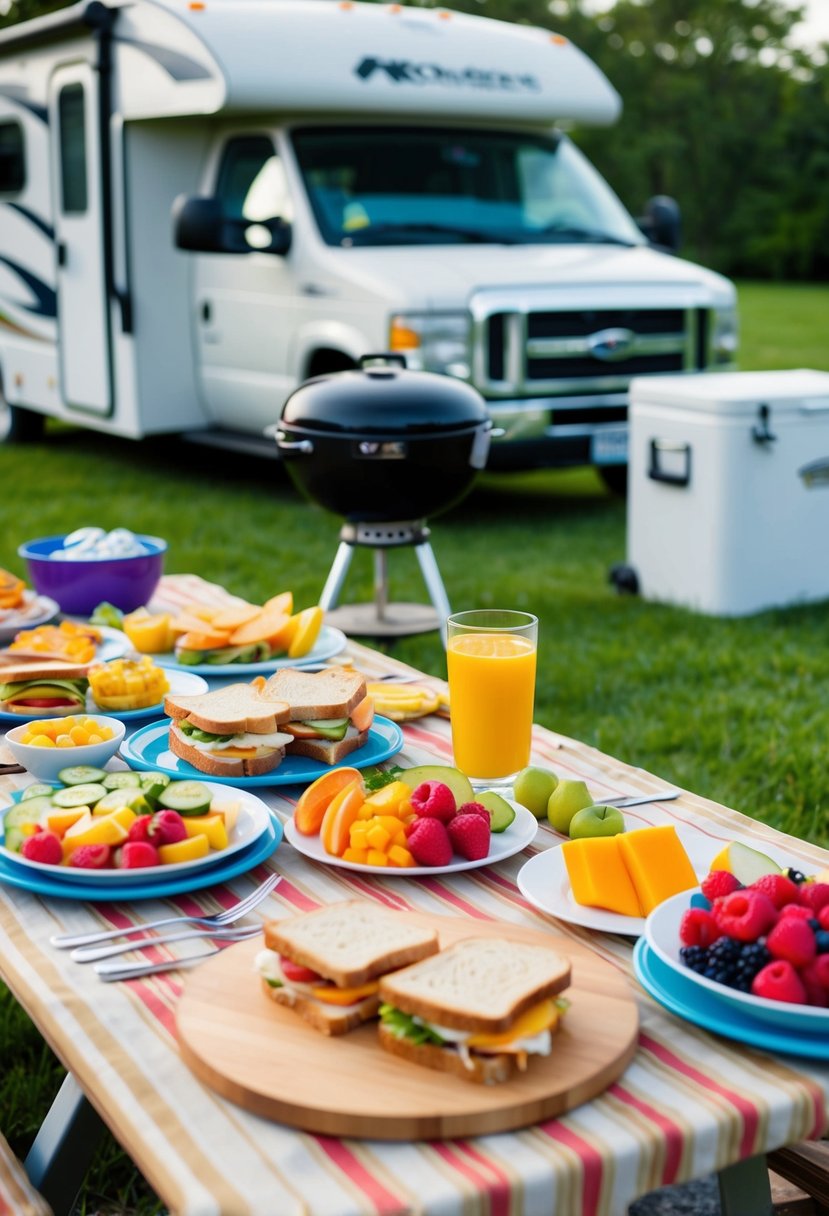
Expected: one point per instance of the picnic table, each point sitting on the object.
(690, 1102)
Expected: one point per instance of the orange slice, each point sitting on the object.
(343, 810)
(315, 800)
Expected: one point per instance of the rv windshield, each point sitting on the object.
(421, 186)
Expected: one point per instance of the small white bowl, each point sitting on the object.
(46, 762)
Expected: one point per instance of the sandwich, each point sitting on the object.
(327, 965)
(42, 687)
(234, 731)
(478, 1009)
(331, 711)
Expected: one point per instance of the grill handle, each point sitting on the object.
(301, 446)
(384, 357)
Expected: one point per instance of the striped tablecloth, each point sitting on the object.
(690, 1102)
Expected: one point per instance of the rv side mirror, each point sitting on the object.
(201, 226)
(662, 222)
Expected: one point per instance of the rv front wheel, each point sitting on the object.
(18, 425)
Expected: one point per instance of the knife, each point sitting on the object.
(625, 800)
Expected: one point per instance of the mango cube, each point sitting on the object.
(189, 849)
(391, 798)
(59, 821)
(358, 835)
(356, 855)
(376, 857)
(657, 863)
(400, 856)
(598, 875)
(212, 826)
(101, 829)
(378, 837)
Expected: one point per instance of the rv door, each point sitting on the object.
(83, 339)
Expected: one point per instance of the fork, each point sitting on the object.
(108, 972)
(91, 954)
(65, 941)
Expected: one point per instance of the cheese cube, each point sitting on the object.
(598, 876)
(657, 863)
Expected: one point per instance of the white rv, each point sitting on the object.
(205, 202)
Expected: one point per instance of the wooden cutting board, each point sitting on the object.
(265, 1058)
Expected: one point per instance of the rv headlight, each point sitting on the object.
(433, 342)
(725, 335)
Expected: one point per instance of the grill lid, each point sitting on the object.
(383, 398)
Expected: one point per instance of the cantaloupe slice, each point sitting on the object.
(363, 716)
(342, 812)
(235, 617)
(212, 640)
(266, 623)
(284, 602)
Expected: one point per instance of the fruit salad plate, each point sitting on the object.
(544, 881)
(254, 820)
(689, 1001)
(662, 936)
(148, 749)
(516, 837)
(329, 643)
(35, 610)
(183, 683)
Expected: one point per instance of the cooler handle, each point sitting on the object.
(673, 477)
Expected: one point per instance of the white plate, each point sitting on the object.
(545, 883)
(254, 819)
(662, 935)
(518, 835)
(330, 642)
(37, 610)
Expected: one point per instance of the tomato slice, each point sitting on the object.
(297, 973)
(45, 702)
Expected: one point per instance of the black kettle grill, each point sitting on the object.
(385, 448)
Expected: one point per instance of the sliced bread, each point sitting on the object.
(483, 1069)
(312, 696)
(217, 765)
(328, 1019)
(233, 710)
(329, 751)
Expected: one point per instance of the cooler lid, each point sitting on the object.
(732, 394)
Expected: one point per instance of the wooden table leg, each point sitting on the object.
(64, 1147)
(745, 1189)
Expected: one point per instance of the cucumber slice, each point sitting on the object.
(150, 780)
(152, 793)
(501, 813)
(186, 797)
(19, 817)
(329, 728)
(118, 781)
(79, 795)
(127, 796)
(81, 774)
(37, 790)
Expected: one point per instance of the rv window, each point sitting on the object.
(12, 159)
(252, 183)
(72, 149)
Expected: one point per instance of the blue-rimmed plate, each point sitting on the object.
(329, 643)
(693, 1003)
(148, 749)
(181, 682)
(253, 819)
(12, 875)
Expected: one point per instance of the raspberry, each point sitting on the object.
(798, 911)
(44, 847)
(814, 895)
(474, 808)
(816, 989)
(429, 842)
(719, 883)
(698, 928)
(823, 918)
(167, 827)
(91, 857)
(744, 914)
(433, 800)
(469, 835)
(136, 854)
(792, 939)
(780, 890)
(778, 981)
(140, 828)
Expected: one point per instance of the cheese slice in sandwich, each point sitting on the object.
(236, 730)
(478, 1009)
(331, 712)
(327, 964)
(42, 688)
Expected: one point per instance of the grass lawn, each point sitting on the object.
(734, 709)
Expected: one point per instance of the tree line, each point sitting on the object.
(722, 111)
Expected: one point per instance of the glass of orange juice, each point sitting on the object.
(491, 657)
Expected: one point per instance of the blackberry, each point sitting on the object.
(822, 941)
(723, 956)
(695, 957)
(796, 876)
(753, 958)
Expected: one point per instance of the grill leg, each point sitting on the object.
(434, 584)
(381, 583)
(336, 576)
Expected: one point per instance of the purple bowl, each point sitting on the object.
(79, 586)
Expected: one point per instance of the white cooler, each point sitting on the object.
(728, 491)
